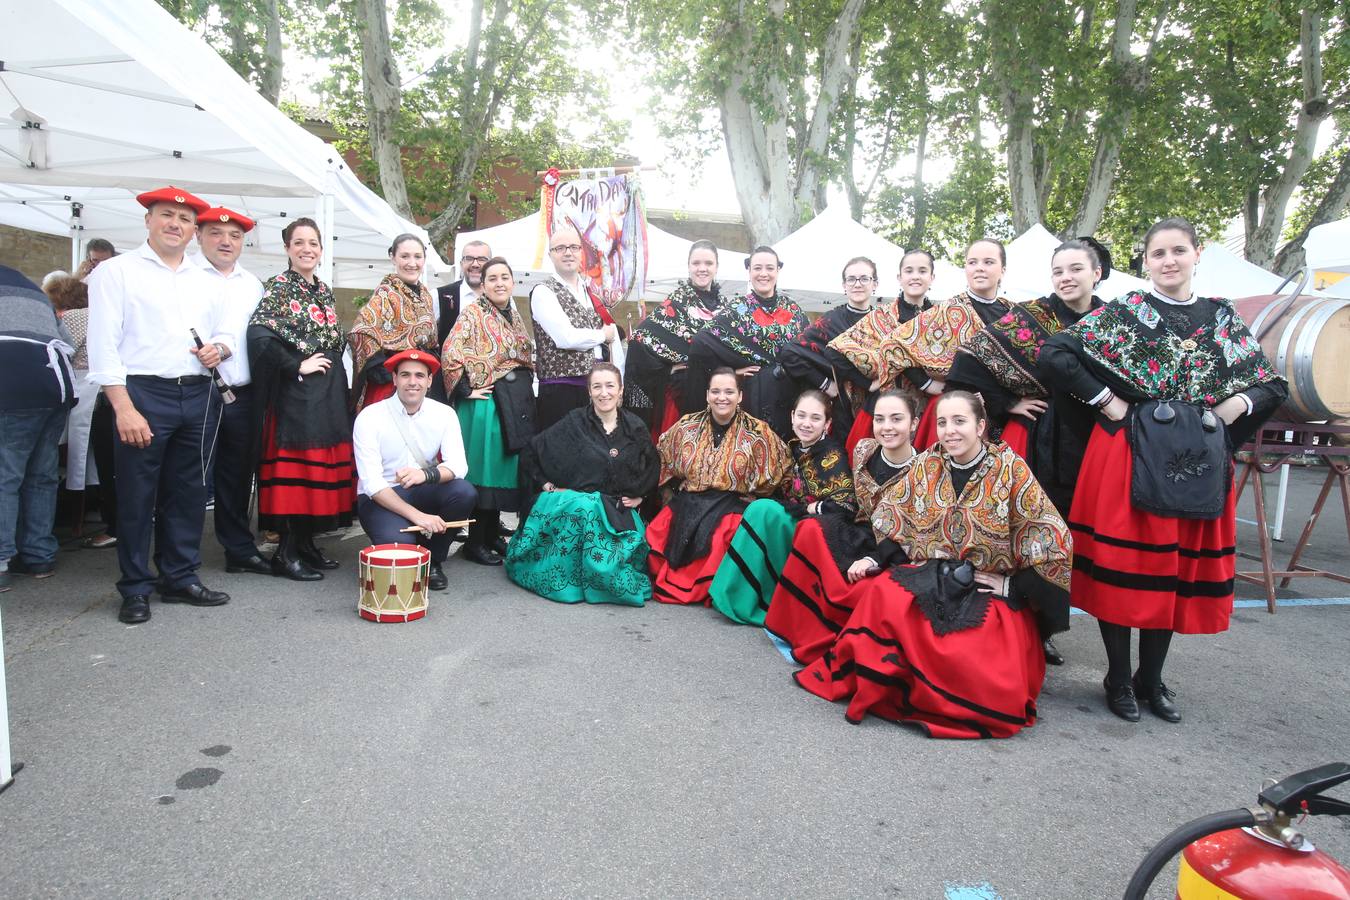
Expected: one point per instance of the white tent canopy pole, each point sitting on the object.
(7, 765)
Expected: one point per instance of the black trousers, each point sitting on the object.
(451, 500)
(103, 442)
(233, 477)
(161, 489)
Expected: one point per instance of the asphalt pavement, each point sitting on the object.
(508, 746)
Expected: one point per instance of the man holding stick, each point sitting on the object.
(143, 306)
(410, 464)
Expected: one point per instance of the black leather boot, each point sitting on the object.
(476, 548)
(287, 564)
(309, 552)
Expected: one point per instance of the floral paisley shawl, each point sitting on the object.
(865, 488)
(398, 317)
(300, 313)
(929, 340)
(756, 329)
(750, 460)
(1002, 522)
(819, 472)
(861, 344)
(1010, 346)
(483, 346)
(668, 329)
(1128, 338)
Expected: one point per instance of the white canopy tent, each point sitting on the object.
(116, 98)
(1327, 247)
(1222, 273)
(518, 242)
(814, 255)
(1028, 274)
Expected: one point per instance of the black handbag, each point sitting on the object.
(1182, 467)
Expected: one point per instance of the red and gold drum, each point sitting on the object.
(394, 582)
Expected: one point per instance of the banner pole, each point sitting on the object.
(7, 765)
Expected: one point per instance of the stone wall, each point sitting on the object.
(32, 253)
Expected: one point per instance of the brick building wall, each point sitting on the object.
(32, 253)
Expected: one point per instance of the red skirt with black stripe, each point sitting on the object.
(318, 482)
(1016, 436)
(978, 683)
(688, 584)
(813, 599)
(1143, 570)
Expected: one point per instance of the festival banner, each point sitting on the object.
(609, 215)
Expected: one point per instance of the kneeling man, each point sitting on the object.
(410, 463)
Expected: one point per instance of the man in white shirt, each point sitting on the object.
(571, 332)
(410, 463)
(142, 305)
(220, 233)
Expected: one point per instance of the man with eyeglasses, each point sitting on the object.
(570, 332)
(453, 297)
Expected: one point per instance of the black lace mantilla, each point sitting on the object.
(946, 593)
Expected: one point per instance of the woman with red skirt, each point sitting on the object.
(832, 558)
(951, 642)
(713, 463)
(1178, 383)
(920, 353)
(306, 476)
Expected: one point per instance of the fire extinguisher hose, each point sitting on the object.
(1175, 842)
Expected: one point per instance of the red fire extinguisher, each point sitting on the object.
(1256, 853)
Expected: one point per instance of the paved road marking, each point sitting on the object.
(983, 891)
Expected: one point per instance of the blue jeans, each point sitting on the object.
(29, 456)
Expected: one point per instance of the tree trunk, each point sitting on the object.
(384, 96)
(836, 72)
(916, 233)
(1026, 201)
(1134, 75)
(1331, 207)
(1262, 239)
(270, 77)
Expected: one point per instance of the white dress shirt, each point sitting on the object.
(380, 450)
(140, 311)
(242, 290)
(548, 314)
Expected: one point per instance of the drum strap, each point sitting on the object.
(405, 431)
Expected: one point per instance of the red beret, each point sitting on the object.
(219, 215)
(427, 359)
(172, 194)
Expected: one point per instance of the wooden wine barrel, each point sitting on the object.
(1308, 340)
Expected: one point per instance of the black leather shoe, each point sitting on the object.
(135, 610)
(1121, 700)
(437, 580)
(1159, 701)
(294, 569)
(1052, 655)
(481, 555)
(37, 570)
(254, 564)
(499, 546)
(313, 557)
(194, 595)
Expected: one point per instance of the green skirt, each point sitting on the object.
(568, 551)
(490, 466)
(748, 575)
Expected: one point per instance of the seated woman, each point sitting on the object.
(713, 462)
(951, 642)
(832, 558)
(582, 539)
(817, 484)
(488, 371)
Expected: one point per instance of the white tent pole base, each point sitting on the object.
(7, 766)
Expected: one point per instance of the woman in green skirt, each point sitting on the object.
(582, 540)
(487, 363)
(818, 484)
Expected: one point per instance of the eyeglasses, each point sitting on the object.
(858, 279)
(473, 260)
(565, 248)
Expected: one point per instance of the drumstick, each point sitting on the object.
(221, 384)
(457, 524)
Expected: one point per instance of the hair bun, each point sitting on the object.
(1103, 254)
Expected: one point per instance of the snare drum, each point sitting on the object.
(394, 582)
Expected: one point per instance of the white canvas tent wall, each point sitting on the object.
(1028, 274)
(1222, 273)
(814, 256)
(110, 99)
(1327, 247)
(667, 256)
